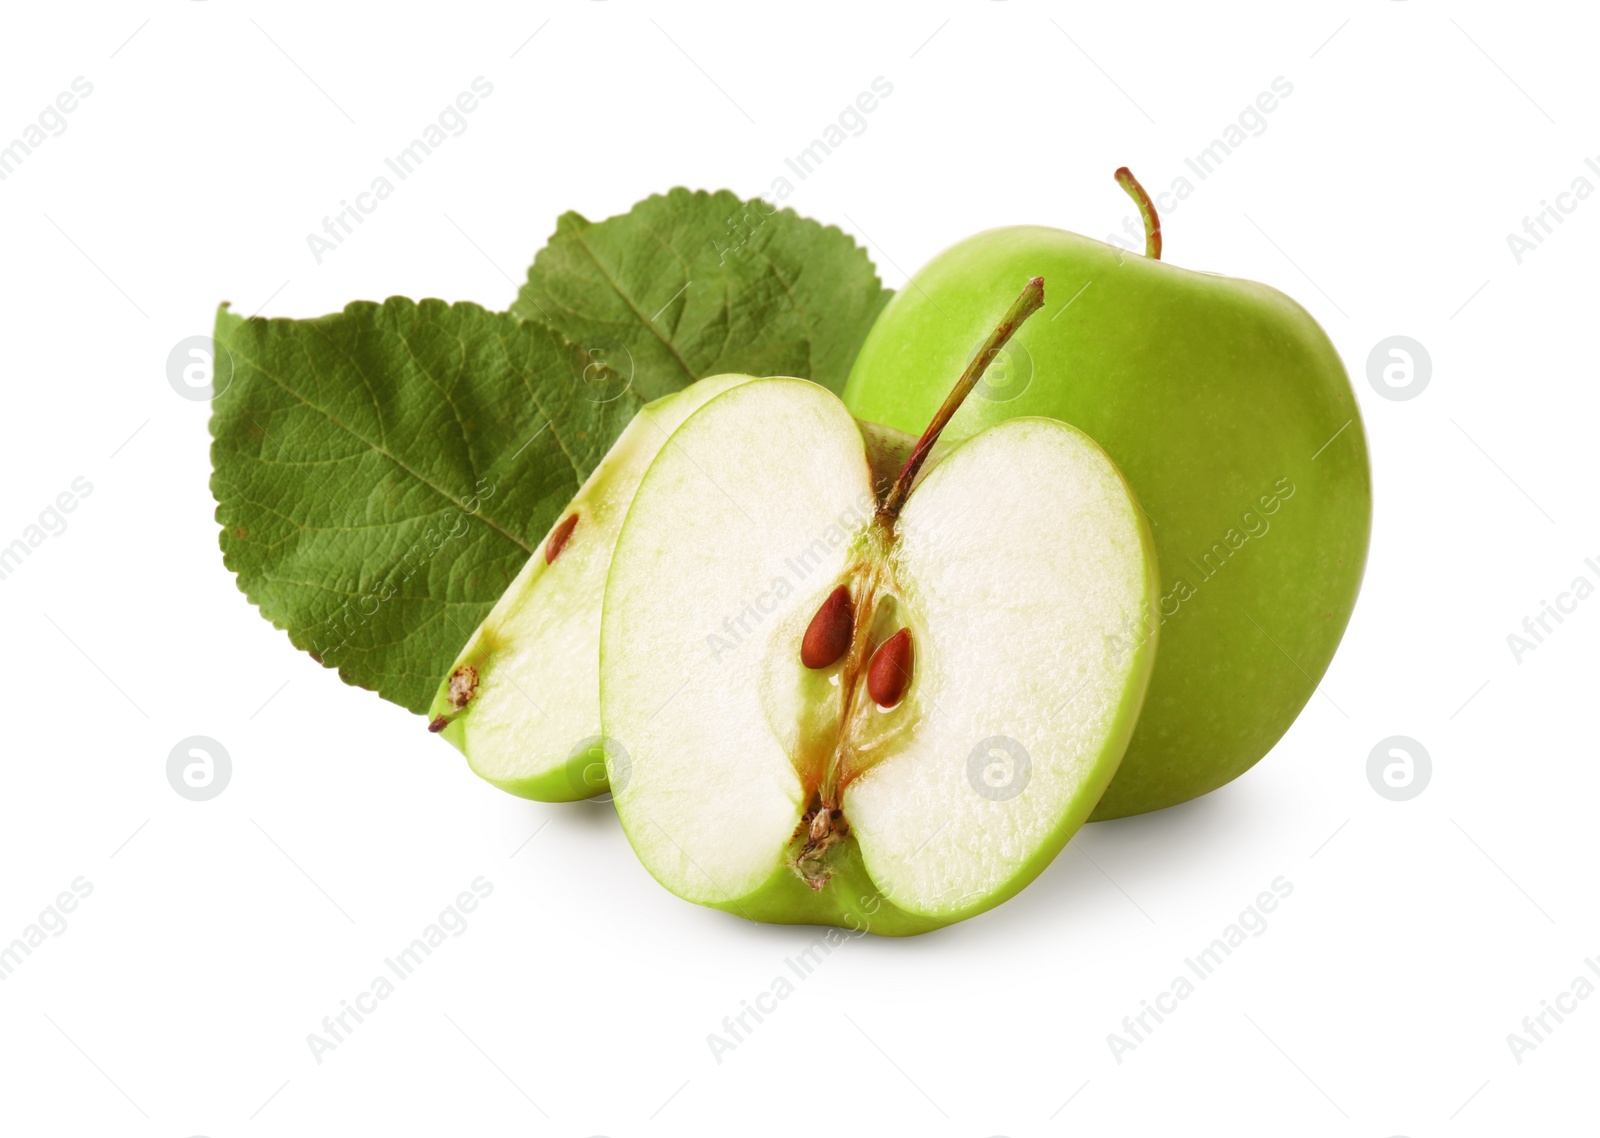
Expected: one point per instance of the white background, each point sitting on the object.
(219, 934)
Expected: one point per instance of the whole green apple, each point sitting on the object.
(1228, 411)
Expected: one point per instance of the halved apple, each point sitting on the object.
(823, 704)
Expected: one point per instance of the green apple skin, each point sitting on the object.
(1231, 416)
(850, 902)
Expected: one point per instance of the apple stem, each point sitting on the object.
(1147, 211)
(1029, 302)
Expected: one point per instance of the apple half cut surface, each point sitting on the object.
(522, 700)
(884, 713)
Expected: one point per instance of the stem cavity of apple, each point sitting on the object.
(463, 686)
(1147, 211)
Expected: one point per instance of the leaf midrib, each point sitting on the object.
(385, 452)
(649, 324)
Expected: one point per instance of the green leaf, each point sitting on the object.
(687, 285)
(382, 474)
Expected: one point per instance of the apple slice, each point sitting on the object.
(522, 699)
(823, 706)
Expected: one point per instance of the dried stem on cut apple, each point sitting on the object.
(1147, 211)
(1029, 302)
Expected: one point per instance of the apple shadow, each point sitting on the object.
(1138, 857)
(1143, 854)
(592, 815)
